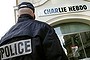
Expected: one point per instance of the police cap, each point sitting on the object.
(26, 5)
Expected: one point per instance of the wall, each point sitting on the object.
(59, 10)
(63, 7)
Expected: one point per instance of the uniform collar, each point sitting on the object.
(25, 17)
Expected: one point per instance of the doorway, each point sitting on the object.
(75, 40)
(77, 45)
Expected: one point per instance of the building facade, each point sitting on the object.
(71, 21)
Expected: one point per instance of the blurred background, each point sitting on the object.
(7, 18)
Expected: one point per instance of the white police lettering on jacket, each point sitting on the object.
(17, 48)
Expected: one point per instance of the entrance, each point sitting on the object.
(77, 45)
(75, 41)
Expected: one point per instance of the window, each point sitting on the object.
(75, 40)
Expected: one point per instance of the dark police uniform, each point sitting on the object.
(29, 39)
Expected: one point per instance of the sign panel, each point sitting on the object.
(75, 51)
(65, 9)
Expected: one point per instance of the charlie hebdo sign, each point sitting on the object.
(60, 10)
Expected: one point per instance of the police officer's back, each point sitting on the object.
(29, 39)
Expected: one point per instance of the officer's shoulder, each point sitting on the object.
(43, 24)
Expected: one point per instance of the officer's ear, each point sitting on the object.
(18, 13)
(34, 16)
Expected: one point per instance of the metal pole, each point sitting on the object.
(72, 41)
(16, 2)
(82, 45)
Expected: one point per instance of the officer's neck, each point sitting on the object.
(26, 16)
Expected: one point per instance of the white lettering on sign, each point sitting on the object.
(58, 10)
(14, 49)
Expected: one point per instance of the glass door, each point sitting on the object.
(75, 40)
(77, 45)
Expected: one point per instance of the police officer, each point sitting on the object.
(30, 39)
